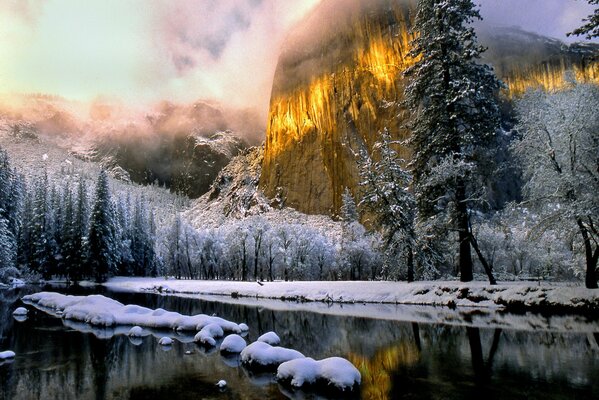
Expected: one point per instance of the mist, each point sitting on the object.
(138, 54)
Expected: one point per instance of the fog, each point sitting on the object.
(141, 53)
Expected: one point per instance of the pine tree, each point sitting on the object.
(41, 233)
(386, 196)
(455, 116)
(102, 246)
(349, 211)
(591, 28)
(8, 245)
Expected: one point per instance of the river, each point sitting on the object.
(399, 356)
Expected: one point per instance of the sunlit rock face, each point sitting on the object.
(339, 82)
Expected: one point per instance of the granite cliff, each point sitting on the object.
(339, 82)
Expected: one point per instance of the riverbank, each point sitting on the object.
(555, 298)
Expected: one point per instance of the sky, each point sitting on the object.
(143, 51)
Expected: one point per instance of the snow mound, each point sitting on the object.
(136, 331)
(21, 311)
(208, 334)
(103, 311)
(165, 341)
(271, 338)
(334, 371)
(233, 344)
(5, 355)
(263, 355)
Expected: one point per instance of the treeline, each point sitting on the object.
(256, 249)
(70, 229)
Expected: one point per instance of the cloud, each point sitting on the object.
(179, 50)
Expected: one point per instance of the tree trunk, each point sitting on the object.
(410, 265)
(465, 262)
(590, 279)
(488, 269)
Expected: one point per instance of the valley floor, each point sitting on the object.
(512, 296)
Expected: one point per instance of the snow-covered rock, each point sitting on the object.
(233, 344)
(21, 311)
(208, 334)
(334, 371)
(5, 355)
(165, 341)
(136, 331)
(271, 338)
(103, 311)
(263, 355)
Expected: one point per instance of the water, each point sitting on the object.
(397, 358)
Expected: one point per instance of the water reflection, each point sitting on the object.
(398, 359)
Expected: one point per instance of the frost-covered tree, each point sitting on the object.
(559, 152)
(386, 196)
(455, 116)
(8, 245)
(349, 210)
(591, 28)
(102, 246)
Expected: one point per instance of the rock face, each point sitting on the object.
(339, 82)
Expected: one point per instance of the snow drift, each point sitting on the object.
(99, 310)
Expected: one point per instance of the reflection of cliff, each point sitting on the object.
(338, 82)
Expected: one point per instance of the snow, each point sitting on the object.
(221, 384)
(165, 341)
(334, 371)
(435, 293)
(21, 311)
(102, 311)
(208, 334)
(136, 331)
(244, 327)
(5, 355)
(260, 354)
(271, 338)
(233, 344)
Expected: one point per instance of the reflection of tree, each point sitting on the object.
(482, 370)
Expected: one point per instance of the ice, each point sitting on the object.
(208, 334)
(233, 344)
(102, 311)
(21, 311)
(271, 338)
(165, 341)
(334, 371)
(263, 355)
(136, 331)
(5, 355)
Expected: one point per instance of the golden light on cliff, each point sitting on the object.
(549, 78)
(376, 63)
(377, 371)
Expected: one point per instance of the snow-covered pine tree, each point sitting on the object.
(8, 245)
(386, 196)
(455, 114)
(40, 226)
(102, 246)
(349, 210)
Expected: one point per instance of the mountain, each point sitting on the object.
(339, 81)
(180, 146)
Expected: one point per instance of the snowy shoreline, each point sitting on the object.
(558, 298)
